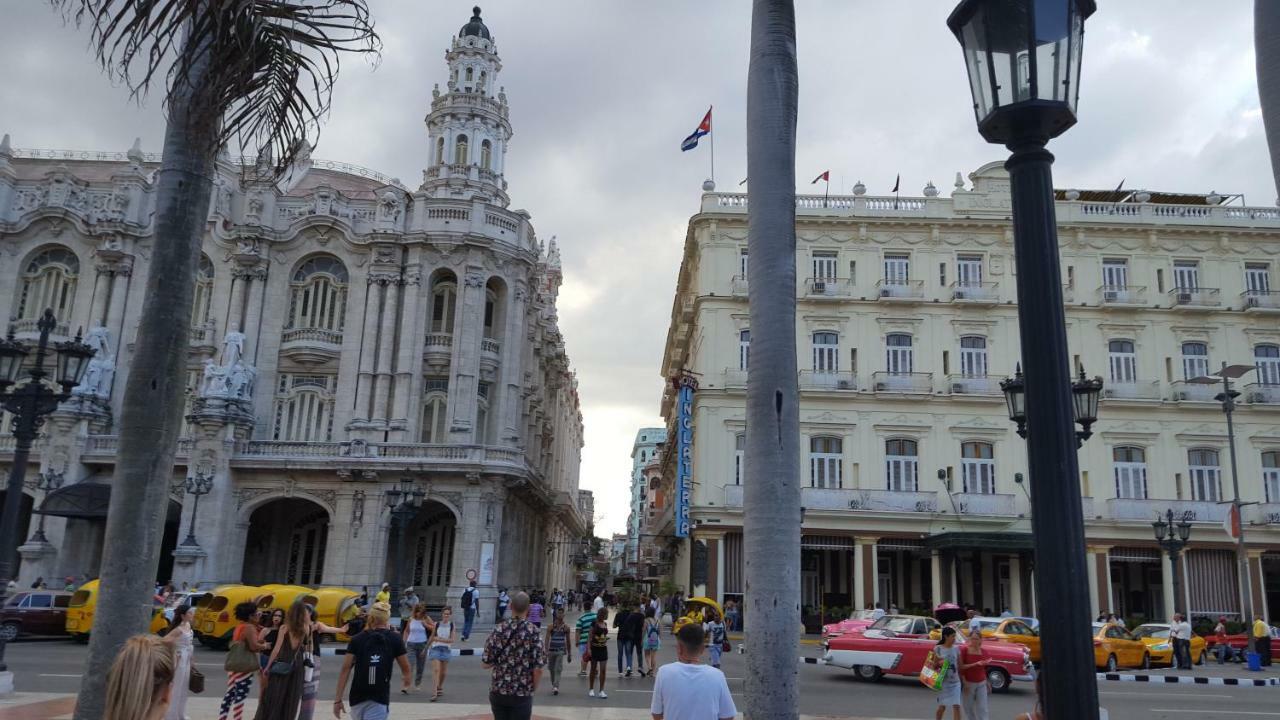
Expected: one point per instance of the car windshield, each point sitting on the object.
(1151, 631)
(893, 623)
(80, 598)
(1097, 627)
(13, 601)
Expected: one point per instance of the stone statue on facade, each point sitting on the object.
(232, 347)
(215, 380)
(96, 382)
(233, 378)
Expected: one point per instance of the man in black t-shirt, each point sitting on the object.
(370, 656)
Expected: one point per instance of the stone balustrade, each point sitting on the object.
(985, 504)
(1146, 510)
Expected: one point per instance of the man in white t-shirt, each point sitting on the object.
(598, 603)
(688, 690)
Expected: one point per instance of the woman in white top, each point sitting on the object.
(179, 636)
(441, 650)
(416, 633)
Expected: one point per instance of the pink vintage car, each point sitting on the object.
(872, 653)
(857, 621)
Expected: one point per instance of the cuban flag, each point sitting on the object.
(704, 128)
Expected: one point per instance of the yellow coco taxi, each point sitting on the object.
(215, 612)
(280, 597)
(335, 606)
(80, 611)
(1114, 647)
(1156, 637)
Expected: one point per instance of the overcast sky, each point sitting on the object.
(602, 92)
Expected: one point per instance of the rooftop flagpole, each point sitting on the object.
(713, 144)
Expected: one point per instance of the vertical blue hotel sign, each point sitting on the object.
(685, 387)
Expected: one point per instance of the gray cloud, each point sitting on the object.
(603, 92)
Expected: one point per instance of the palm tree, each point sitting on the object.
(259, 71)
(1266, 49)
(772, 494)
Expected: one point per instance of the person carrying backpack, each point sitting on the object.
(368, 663)
(470, 603)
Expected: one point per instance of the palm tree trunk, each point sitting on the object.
(772, 493)
(152, 409)
(1266, 48)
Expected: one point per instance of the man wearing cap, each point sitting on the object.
(516, 655)
(408, 601)
(368, 662)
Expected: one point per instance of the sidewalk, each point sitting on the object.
(38, 706)
(1211, 673)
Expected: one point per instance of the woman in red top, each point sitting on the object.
(973, 674)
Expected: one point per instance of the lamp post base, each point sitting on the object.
(6, 683)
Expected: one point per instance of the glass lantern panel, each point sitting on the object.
(1073, 50)
(1008, 29)
(979, 71)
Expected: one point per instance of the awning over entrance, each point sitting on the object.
(997, 541)
(88, 500)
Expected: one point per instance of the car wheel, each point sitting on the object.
(1111, 663)
(9, 631)
(998, 679)
(869, 673)
(1146, 661)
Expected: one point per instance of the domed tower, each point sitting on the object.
(468, 126)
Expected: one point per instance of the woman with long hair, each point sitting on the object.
(311, 675)
(140, 680)
(950, 694)
(238, 683)
(652, 639)
(557, 646)
(416, 633)
(599, 653)
(287, 668)
(441, 650)
(180, 636)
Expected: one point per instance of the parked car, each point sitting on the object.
(1239, 641)
(80, 611)
(910, 626)
(1156, 637)
(1014, 630)
(35, 613)
(871, 654)
(162, 618)
(1114, 647)
(857, 621)
(214, 621)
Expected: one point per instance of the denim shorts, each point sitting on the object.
(370, 710)
(442, 653)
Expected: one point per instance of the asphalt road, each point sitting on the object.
(55, 667)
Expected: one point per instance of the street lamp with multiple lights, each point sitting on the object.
(30, 399)
(1085, 393)
(1173, 537)
(1023, 64)
(196, 486)
(46, 483)
(403, 502)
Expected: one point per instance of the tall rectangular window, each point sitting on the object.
(973, 356)
(1115, 274)
(824, 267)
(897, 269)
(899, 358)
(1271, 475)
(739, 457)
(978, 467)
(969, 271)
(1186, 275)
(1195, 360)
(826, 352)
(744, 349)
(1130, 469)
(901, 467)
(1206, 475)
(1267, 359)
(825, 455)
(1124, 362)
(1257, 278)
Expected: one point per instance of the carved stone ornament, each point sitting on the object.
(246, 495)
(357, 512)
(475, 280)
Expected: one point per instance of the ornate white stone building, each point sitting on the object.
(347, 332)
(914, 480)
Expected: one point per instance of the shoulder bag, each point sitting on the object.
(195, 682)
(240, 659)
(284, 667)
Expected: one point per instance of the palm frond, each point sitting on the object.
(272, 63)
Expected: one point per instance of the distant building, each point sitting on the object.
(643, 451)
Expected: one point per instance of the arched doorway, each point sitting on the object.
(428, 551)
(286, 543)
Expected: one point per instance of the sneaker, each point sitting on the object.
(628, 673)
(603, 694)
(555, 691)
(582, 673)
(592, 692)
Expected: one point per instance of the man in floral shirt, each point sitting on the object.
(515, 654)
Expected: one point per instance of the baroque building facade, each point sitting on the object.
(347, 333)
(644, 451)
(914, 481)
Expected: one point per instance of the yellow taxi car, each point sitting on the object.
(693, 612)
(335, 606)
(1114, 647)
(214, 619)
(280, 597)
(80, 611)
(1156, 637)
(1014, 630)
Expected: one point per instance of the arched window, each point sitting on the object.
(318, 295)
(460, 150)
(490, 311)
(439, 151)
(1124, 362)
(486, 154)
(1130, 470)
(1206, 475)
(744, 349)
(444, 298)
(973, 356)
(49, 281)
(434, 407)
(739, 457)
(978, 467)
(304, 408)
(1267, 358)
(482, 413)
(899, 358)
(1195, 360)
(826, 352)
(901, 467)
(1271, 475)
(204, 293)
(470, 74)
(825, 462)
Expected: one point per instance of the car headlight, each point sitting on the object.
(1161, 647)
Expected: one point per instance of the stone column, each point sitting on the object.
(256, 286)
(1166, 584)
(471, 531)
(1015, 585)
(1091, 566)
(408, 372)
(1256, 584)
(512, 371)
(866, 573)
(373, 303)
(386, 351)
(216, 558)
(240, 279)
(468, 329)
(715, 567)
(935, 578)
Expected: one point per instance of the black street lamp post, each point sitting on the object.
(403, 503)
(1023, 63)
(1173, 537)
(30, 399)
(47, 482)
(196, 486)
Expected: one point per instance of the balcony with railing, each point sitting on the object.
(1139, 390)
(1263, 514)
(974, 385)
(490, 353)
(203, 336)
(1260, 300)
(827, 288)
(734, 378)
(893, 501)
(311, 345)
(1262, 394)
(1087, 508)
(1196, 298)
(738, 286)
(25, 329)
(814, 380)
(1122, 295)
(1183, 391)
(733, 496)
(438, 348)
(1068, 293)
(902, 382)
(975, 292)
(985, 504)
(1146, 510)
(900, 290)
